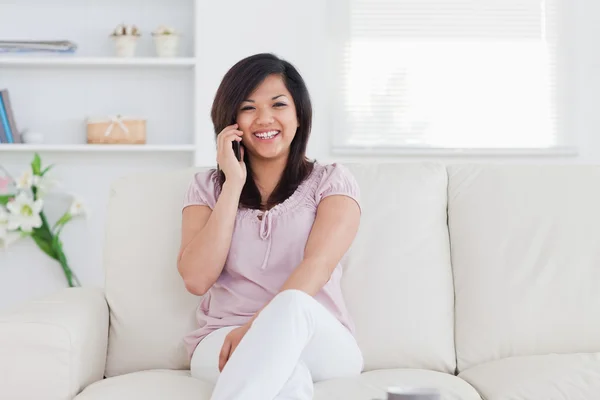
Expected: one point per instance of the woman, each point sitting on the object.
(262, 240)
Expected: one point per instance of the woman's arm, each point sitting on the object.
(205, 240)
(334, 230)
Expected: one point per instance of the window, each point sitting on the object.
(446, 74)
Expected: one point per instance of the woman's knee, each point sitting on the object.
(292, 298)
(290, 303)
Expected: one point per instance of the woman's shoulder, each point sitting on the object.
(335, 178)
(203, 188)
(208, 177)
(332, 173)
(334, 168)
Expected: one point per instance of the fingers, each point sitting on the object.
(230, 133)
(224, 354)
(226, 138)
(226, 141)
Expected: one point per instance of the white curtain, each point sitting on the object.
(446, 74)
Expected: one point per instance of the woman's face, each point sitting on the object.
(268, 120)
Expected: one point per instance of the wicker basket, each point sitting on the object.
(116, 130)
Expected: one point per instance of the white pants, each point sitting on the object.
(293, 342)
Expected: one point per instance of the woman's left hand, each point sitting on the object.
(231, 341)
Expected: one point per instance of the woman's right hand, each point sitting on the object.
(234, 170)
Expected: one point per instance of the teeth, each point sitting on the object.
(266, 135)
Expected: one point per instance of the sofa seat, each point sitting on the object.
(373, 385)
(157, 384)
(171, 384)
(548, 377)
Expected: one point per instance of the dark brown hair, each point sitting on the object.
(237, 84)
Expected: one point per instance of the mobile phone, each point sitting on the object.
(236, 145)
(236, 150)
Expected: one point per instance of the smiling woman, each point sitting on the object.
(264, 94)
(262, 239)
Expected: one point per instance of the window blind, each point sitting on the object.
(448, 74)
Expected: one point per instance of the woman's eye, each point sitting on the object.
(274, 105)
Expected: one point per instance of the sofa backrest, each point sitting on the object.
(397, 280)
(526, 260)
(150, 308)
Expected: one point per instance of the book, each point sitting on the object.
(33, 45)
(3, 137)
(4, 122)
(12, 123)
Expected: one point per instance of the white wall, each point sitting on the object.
(297, 32)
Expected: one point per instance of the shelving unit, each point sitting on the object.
(55, 93)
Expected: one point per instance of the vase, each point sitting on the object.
(166, 45)
(125, 46)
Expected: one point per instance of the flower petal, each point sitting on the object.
(13, 224)
(37, 206)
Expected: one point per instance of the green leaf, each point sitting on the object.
(66, 217)
(42, 234)
(43, 231)
(46, 169)
(44, 246)
(36, 164)
(57, 245)
(5, 199)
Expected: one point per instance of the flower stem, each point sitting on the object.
(62, 259)
(50, 243)
(69, 274)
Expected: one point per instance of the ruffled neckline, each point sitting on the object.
(291, 202)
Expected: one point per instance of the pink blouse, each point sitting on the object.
(265, 251)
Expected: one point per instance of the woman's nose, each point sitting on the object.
(264, 117)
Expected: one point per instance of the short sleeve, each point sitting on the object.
(337, 180)
(202, 189)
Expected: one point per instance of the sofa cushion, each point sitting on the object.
(374, 384)
(168, 384)
(150, 309)
(525, 257)
(548, 377)
(149, 385)
(397, 278)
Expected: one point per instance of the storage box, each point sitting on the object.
(116, 130)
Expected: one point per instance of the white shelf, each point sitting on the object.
(53, 93)
(96, 147)
(74, 61)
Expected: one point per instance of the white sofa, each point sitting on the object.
(480, 280)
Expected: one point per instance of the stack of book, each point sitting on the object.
(37, 46)
(8, 126)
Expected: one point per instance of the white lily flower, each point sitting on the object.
(43, 185)
(25, 181)
(6, 236)
(24, 213)
(77, 208)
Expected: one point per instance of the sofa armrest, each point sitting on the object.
(53, 347)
